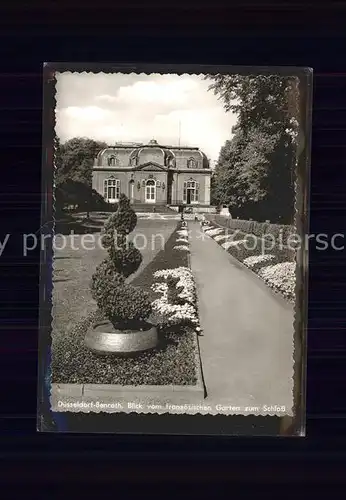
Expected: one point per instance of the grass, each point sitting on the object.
(172, 363)
(72, 271)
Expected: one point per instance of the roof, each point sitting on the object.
(151, 144)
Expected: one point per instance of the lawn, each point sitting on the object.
(173, 363)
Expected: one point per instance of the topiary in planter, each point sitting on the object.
(126, 307)
(123, 304)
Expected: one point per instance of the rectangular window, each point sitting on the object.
(111, 193)
(112, 189)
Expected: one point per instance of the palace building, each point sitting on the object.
(153, 174)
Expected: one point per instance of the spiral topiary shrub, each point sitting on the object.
(126, 306)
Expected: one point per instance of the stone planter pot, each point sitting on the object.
(104, 339)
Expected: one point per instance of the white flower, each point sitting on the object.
(257, 259)
(181, 248)
(281, 277)
(214, 232)
(229, 244)
(160, 287)
(221, 237)
(183, 233)
(175, 313)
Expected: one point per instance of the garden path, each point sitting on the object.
(247, 331)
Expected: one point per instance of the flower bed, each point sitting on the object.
(184, 248)
(214, 232)
(184, 312)
(183, 233)
(177, 301)
(276, 266)
(281, 277)
(173, 363)
(256, 262)
(223, 237)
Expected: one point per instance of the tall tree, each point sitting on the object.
(73, 169)
(75, 159)
(255, 171)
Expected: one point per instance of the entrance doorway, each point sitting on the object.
(191, 192)
(150, 191)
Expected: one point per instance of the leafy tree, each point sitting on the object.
(255, 171)
(76, 158)
(73, 168)
(78, 194)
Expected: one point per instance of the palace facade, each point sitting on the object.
(153, 174)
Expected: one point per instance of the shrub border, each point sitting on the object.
(274, 289)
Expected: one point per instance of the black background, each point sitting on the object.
(296, 33)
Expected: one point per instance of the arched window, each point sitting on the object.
(132, 189)
(133, 160)
(170, 161)
(191, 192)
(112, 161)
(112, 190)
(150, 191)
(191, 163)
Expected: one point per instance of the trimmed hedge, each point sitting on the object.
(249, 249)
(260, 229)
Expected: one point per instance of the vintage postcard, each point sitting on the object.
(175, 277)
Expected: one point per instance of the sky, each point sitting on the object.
(138, 107)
